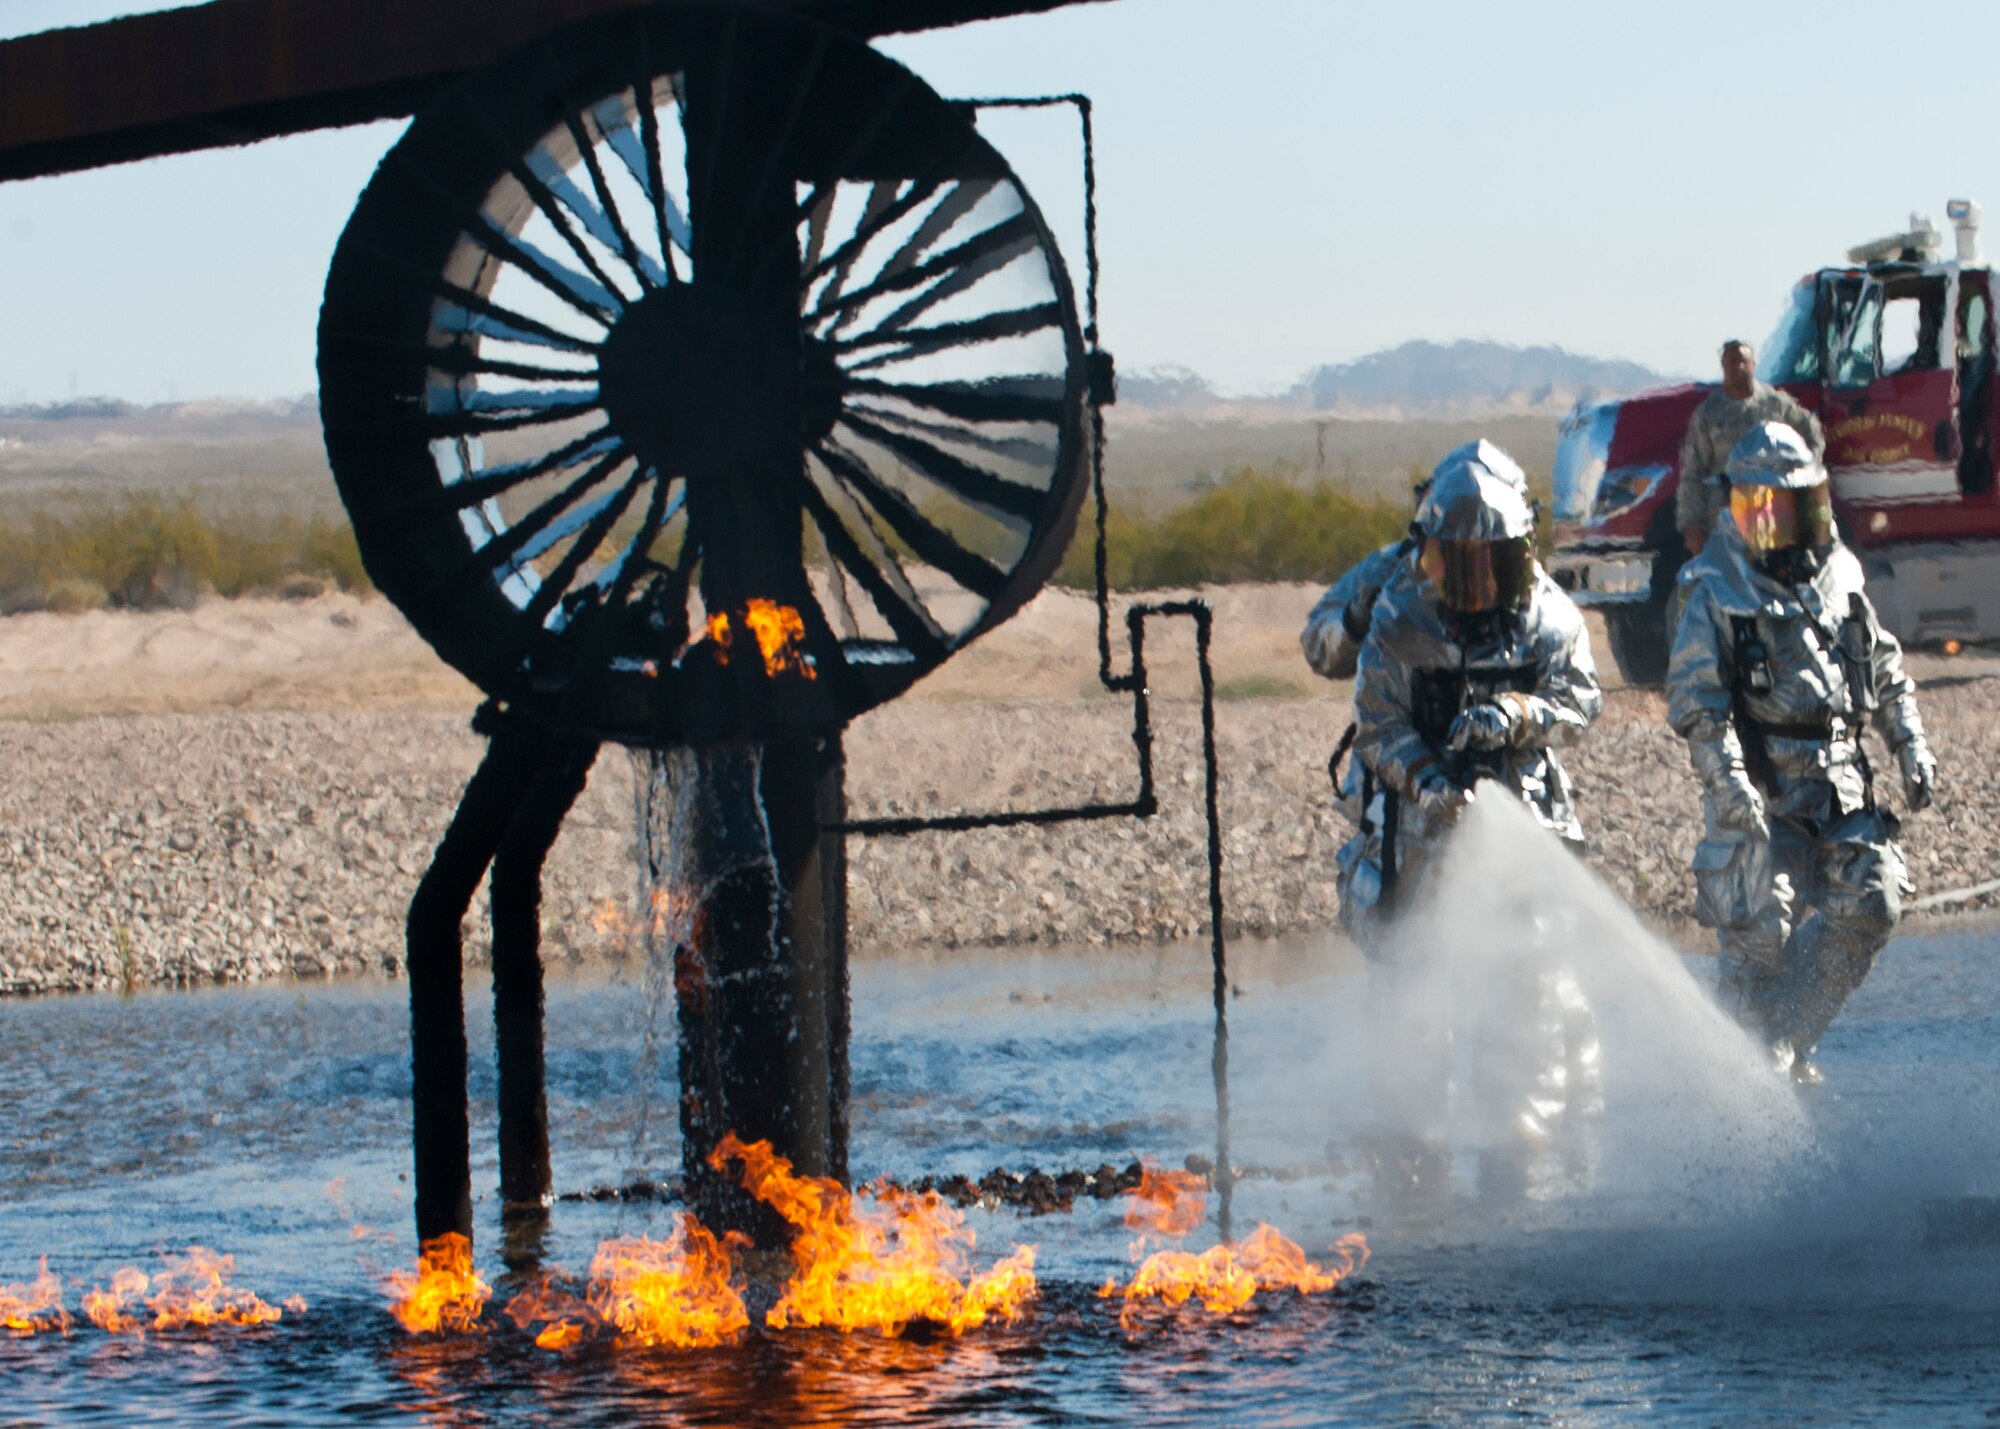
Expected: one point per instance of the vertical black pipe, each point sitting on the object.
(763, 977)
(516, 901)
(830, 798)
(440, 1136)
(762, 989)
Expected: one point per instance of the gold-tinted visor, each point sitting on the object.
(1773, 518)
(1473, 577)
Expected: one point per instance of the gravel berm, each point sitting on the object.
(189, 849)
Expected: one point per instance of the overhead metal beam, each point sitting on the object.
(238, 71)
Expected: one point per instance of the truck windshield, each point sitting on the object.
(1792, 354)
(1853, 330)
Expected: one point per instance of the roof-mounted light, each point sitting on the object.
(1964, 216)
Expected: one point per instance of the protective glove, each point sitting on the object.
(1483, 726)
(1441, 799)
(1919, 775)
(1739, 806)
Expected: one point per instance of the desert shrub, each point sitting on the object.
(142, 553)
(72, 595)
(1255, 524)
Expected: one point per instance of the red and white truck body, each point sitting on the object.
(1895, 354)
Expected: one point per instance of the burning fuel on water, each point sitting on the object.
(35, 1308)
(445, 1294)
(1225, 1277)
(878, 1267)
(188, 1292)
(881, 1263)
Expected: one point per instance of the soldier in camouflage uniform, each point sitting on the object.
(1778, 664)
(1717, 426)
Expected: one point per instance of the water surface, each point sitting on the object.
(273, 1123)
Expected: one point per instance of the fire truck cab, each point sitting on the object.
(1895, 354)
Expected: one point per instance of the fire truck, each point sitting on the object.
(1895, 354)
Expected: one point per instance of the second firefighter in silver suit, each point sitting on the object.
(1779, 663)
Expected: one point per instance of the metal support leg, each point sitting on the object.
(439, 1132)
(516, 895)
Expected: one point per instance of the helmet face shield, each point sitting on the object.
(1477, 577)
(1777, 518)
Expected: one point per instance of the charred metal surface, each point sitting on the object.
(237, 71)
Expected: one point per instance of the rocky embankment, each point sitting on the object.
(163, 849)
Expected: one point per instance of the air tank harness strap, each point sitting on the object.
(1751, 672)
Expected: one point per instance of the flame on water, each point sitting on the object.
(445, 1294)
(1166, 1203)
(559, 1336)
(554, 1308)
(191, 1291)
(35, 1308)
(681, 1291)
(112, 1310)
(876, 1268)
(1226, 1277)
(780, 633)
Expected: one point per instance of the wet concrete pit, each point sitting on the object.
(273, 1124)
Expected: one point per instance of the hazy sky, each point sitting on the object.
(1282, 183)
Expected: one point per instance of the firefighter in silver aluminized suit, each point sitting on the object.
(1332, 641)
(1778, 662)
(1476, 667)
(1339, 622)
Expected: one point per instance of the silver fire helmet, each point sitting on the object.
(1779, 497)
(1468, 502)
(1482, 455)
(1773, 454)
(1478, 540)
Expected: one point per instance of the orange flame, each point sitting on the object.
(445, 1295)
(1166, 1203)
(192, 1292)
(107, 1309)
(680, 1291)
(880, 1268)
(668, 908)
(36, 1308)
(780, 633)
(544, 1301)
(559, 1336)
(1225, 1277)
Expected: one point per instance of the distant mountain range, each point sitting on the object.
(1417, 378)
(83, 417)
